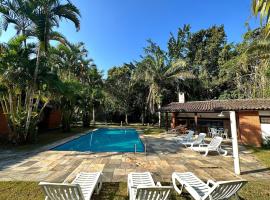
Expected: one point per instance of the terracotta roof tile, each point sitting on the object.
(218, 105)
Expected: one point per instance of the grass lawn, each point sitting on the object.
(261, 154)
(116, 191)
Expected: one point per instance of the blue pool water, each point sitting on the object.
(105, 140)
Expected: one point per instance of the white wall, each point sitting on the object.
(265, 128)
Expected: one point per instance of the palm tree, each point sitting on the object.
(16, 70)
(15, 12)
(43, 16)
(70, 61)
(157, 72)
(94, 81)
(262, 8)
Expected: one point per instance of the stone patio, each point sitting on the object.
(163, 157)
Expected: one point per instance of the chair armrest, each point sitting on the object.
(210, 183)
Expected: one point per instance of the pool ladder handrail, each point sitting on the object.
(135, 148)
(145, 149)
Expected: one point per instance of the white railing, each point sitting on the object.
(145, 149)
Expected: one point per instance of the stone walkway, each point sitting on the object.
(163, 157)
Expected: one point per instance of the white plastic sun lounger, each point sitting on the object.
(141, 186)
(185, 138)
(210, 190)
(199, 140)
(214, 145)
(81, 188)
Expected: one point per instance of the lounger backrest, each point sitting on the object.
(189, 135)
(200, 137)
(62, 191)
(224, 189)
(153, 193)
(215, 142)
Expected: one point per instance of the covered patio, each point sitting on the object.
(242, 118)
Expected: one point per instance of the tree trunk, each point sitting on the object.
(126, 118)
(30, 107)
(94, 116)
(142, 118)
(66, 121)
(159, 116)
(86, 119)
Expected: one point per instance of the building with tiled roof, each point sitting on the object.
(252, 117)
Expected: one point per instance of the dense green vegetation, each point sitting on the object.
(35, 74)
(117, 191)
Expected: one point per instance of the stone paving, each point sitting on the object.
(163, 157)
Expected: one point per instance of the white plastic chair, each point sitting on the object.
(225, 133)
(214, 145)
(81, 188)
(214, 132)
(141, 186)
(199, 140)
(210, 190)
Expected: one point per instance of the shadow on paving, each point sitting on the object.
(256, 171)
(118, 191)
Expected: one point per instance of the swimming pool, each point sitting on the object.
(105, 140)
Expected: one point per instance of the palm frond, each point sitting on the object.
(54, 35)
(68, 11)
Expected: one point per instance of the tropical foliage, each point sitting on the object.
(262, 8)
(34, 74)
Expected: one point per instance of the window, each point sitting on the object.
(265, 119)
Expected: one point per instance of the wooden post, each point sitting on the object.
(236, 159)
(196, 120)
(173, 120)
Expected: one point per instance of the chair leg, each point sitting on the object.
(179, 191)
(222, 152)
(206, 153)
(99, 185)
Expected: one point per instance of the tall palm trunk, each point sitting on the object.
(126, 118)
(142, 118)
(159, 115)
(32, 92)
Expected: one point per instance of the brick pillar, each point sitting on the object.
(173, 124)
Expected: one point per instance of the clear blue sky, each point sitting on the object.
(115, 31)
